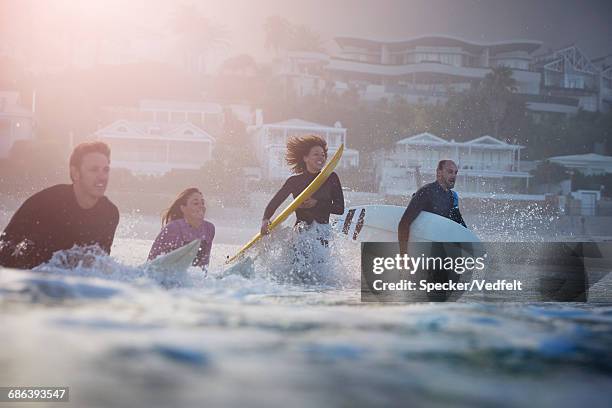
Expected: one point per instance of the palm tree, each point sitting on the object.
(197, 35)
(241, 64)
(497, 88)
(305, 39)
(500, 80)
(278, 33)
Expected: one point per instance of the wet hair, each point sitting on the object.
(443, 163)
(174, 212)
(80, 150)
(298, 147)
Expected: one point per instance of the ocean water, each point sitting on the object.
(288, 329)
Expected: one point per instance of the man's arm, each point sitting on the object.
(108, 235)
(459, 217)
(416, 205)
(18, 239)
(455, 214)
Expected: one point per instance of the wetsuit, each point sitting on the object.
(52, 220)
(434, 199)
(179, 233)
(330, 199)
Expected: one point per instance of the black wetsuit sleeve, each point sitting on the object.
(19, 229)
(108, 234)
(336, 204)
(280, 196)
(416, 205)
(458, 217)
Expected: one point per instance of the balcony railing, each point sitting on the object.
(427, 166)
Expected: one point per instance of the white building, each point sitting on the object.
(587, 164)
(156, 148)
(420, 69)
(270, 142)
(486, 165)
(16, 122)
(604, 65)
(204, 115)
(427, 69)
(569, 73)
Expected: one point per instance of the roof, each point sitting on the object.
(189, 106)
(482, 141)
(423, 138)
(16, 110)
(299, 123)
(486, 140)
(435, 40)
(179, 131)
(588, 157)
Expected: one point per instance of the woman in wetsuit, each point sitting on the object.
(182, 223)
(306, 155)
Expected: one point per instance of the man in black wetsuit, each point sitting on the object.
(64, 215)
(436, 197)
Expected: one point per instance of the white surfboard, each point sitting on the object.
(378, 223)
(178, 260)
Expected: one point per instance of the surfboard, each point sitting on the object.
(378, 223)
(178, 260)
(308, 191)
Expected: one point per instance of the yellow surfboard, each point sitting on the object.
(304, 195)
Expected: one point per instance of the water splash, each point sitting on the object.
(304, 255)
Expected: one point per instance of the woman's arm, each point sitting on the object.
(280, 196)
(336, 204)
(167, 240)
(207, 244)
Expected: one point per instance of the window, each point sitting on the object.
(276, 136)
(212, 120)
(5, 127)
(162, 116)
(138, 150)
(574, 81)
(189, 152)
(122, 129)
(177, 117)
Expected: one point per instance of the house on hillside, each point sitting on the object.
(155, 148)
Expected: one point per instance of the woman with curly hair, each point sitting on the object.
(306, 156)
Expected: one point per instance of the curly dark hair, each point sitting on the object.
(298, 147)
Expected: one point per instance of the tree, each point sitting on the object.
(281, 35)
(197, 35)
(305, 39)
(496, 89)
(278, 33)
(240, 64)
(548, 172)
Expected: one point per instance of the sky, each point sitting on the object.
(557, 23)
